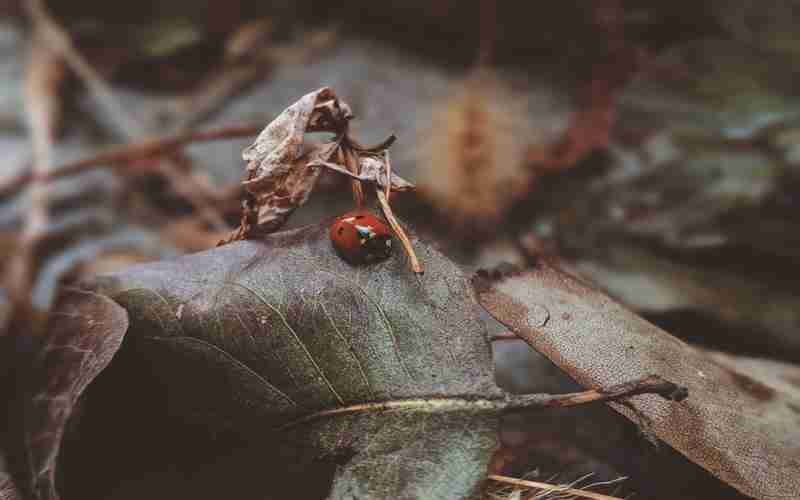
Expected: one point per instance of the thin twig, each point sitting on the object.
(506, 335)
(652, 384)
(59, 41)
(128, 154)
(196, 107)
(247, 57)
(256, 53)
(16, 183)
(154, 147)
(553, 488)
(388, 162)
(398, 230)
(350, 158)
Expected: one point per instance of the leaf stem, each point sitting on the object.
(398, 229)
(350, 158)
(652, 384)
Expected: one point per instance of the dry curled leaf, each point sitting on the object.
(278, 177)
(282, 173)
(67, 364)
(738, 428)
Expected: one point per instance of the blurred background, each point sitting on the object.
(653, 147)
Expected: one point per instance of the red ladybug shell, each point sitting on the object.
(361, 237)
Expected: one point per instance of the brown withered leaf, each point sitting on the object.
(742, 430)
(278, 176)
(84, 333)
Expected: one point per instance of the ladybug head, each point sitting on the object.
(375, 246)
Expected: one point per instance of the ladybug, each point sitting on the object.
(361, 238)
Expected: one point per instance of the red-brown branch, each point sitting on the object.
(126, 155)
(591, 125)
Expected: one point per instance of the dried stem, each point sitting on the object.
(16, 183)
(44, 73)
(254, 54)
(388, 162)
(552, 488)
(247, 57)
(652, 384)
(59, 41)
(647, 385)
(398, 230)
(128, 154)
(194, 108)
(506, 335)
(351, 162)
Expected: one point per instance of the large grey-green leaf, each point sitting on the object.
(266, 340)
(298, 330)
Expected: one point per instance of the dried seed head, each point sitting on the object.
(473, 161)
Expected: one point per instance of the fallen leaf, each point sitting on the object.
(259, 337)
(738, 428)
(279, 178)
(84, 334)
(736, 311)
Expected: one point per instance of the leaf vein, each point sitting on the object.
(297, 339)
(231, 358)
(384, 318)
(350, 349)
